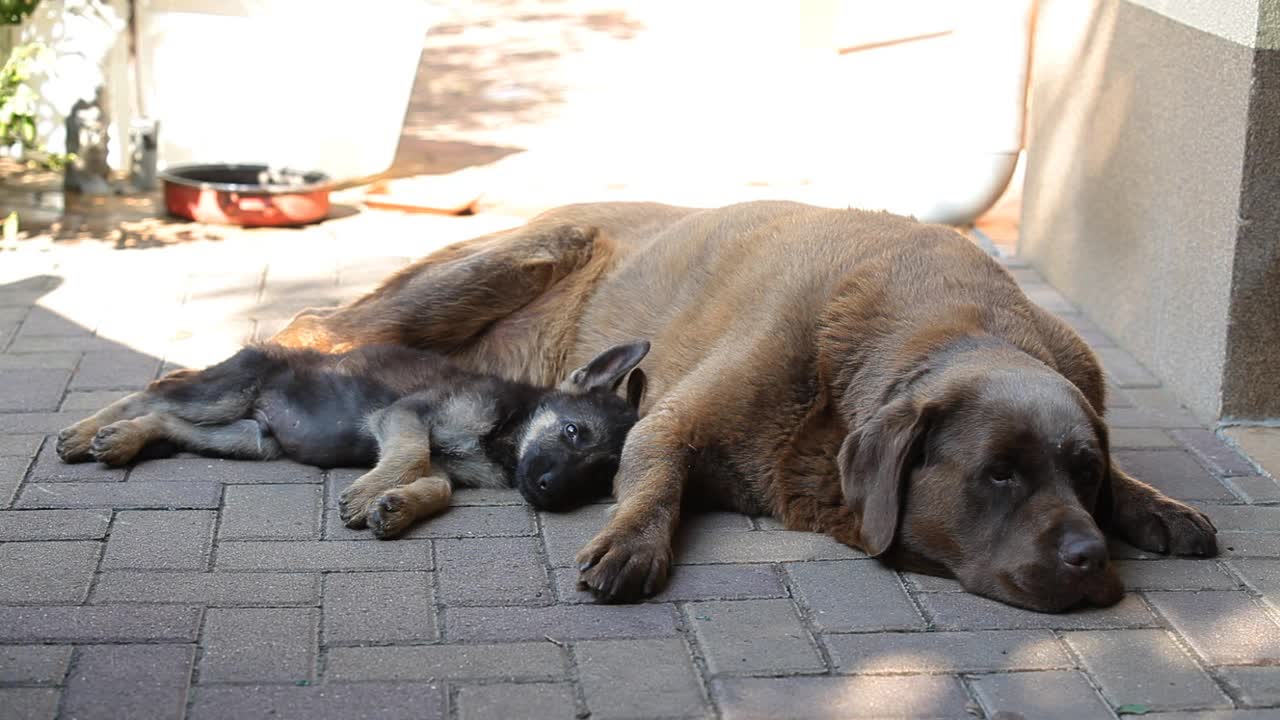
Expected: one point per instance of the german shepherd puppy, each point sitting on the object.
(423, 423)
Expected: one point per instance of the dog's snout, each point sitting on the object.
(544, 480)
(1082, 553)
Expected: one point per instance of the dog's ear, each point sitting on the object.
(875, 461)
(637, 382)
(607, 369)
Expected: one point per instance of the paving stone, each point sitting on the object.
(1262, 576)
(491, 702)
(129, 681)
(1088, 330)
(378, 608)
(91, 401)
(1223, 627)
(1174, 574)
(841, 698)
(1145, 667)
(1143, 417)
(293, 702)
(219, 589)
(463, 497)
(29, 703)
(930, 583)
(53, 524)
(224, 471)
(41, 322)
(962, 611)
(34, 664)
(258, 645)
(853, 595)
(693, 582)
(23, 446)
(517, 661)
(492, 571)
(1260, 443)
(270, 512)
(566, 533)
(777, 546)
(50, 468)
(333, 555)
(560, 622)
(753, 637)
(1144, 438)
(32, 389)
(1249, 544)
(196, 494)
(12, 472)
(1213, 715)
(103, 623)
(1254, 489)
(43, 423)
(1255, 686)
(160, 540)
(1211, 450)
(1046, 297)
(1124, 369)
(1043, 695)
(638, 678)
(1174, 472)
(946, 652)
(47, 572)
(57, 360)
(1244, 518)
(110, 369)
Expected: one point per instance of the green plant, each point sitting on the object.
(17, 99)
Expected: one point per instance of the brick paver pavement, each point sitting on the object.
(215, 589)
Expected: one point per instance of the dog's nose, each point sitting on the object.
(1083, 554)
(544, 481)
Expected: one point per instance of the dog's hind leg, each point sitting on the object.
(451, 297)
(219, 394)
(392, 512)
(121, 441)
(404, 455)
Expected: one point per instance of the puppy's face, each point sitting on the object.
(571, 449)
(1004, 478)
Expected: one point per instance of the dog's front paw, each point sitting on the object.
(74, 443)
(353, 505)
(389, 516)
(1164, 525)
(117, 443)
(619, 566)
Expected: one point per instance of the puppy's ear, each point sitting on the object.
(637, 382)
(1102, 507)
(607, 369)
(875, 461)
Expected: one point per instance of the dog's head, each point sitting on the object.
(571, 447)
(995, 469)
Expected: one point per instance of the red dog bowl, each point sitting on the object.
(249, 195)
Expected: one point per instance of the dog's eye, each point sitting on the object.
(571, 431)
(1001, 474)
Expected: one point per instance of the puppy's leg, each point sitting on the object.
(219, 394)
(446, 300)
(119, 442)
(404, 454)
(395, 510)
(1147, 518)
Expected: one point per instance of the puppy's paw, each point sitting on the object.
(117, 443)
(624, 566)
(74, 442)
(353, 506)
(389, 515)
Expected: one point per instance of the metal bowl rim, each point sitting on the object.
(170, 175)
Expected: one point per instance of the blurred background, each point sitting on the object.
(1124, 149)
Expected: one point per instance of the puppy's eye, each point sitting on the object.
(1001, 474)
(571, 431)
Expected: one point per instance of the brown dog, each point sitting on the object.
(853, 373)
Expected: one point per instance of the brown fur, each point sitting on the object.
(782, 334)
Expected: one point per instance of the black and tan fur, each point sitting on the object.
(424, 424)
